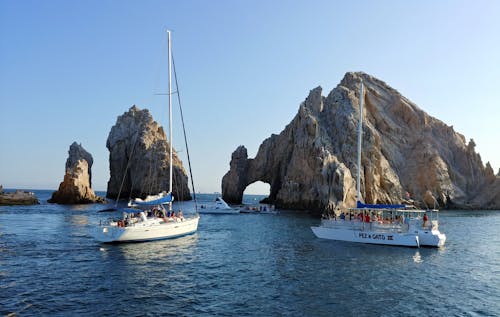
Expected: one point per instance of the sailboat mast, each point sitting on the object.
(360, 132)
(170, 112)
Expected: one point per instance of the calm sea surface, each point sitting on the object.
(241, 265)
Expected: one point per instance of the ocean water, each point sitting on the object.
(241, 265)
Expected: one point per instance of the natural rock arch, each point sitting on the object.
(258, 188)
(312, 165)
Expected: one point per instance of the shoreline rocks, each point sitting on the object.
(76, 188)
(18, 197)
(407, 154)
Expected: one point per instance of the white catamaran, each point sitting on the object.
(398, 225)
(152, 221)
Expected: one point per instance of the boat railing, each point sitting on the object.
(389, 227)
(364, 226)
(434, 225)
(341, 223)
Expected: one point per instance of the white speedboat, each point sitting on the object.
(154, 222)
(381, 224)
(218, 207)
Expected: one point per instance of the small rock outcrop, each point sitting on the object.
(18, 197)
(76, 188)
(139, 158)
(312, 164)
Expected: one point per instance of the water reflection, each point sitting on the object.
(173, 251)
(78, 220)
(417, 258)
(80, 207)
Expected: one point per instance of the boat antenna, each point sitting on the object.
(185, 137)
(360, 131)
(170, 114)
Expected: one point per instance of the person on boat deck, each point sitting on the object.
(342, 216)
(153, 212)
(424, 224)
(367, 217)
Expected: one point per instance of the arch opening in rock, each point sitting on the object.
(257, 192)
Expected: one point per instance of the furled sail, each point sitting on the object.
(377, 206)
(151, 200)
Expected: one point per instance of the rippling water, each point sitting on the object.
(242, 265)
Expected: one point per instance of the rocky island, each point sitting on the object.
(311, 164)
(18, 197)
(76, 188)
(139, 159)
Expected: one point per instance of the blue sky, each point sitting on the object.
(69, 68)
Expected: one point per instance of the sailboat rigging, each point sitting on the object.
(152, 221)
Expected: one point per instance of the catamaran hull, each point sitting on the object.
(432, 238)
(138, 233)
(371, 237)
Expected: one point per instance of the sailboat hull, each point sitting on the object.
(364, 236)
(146, 231)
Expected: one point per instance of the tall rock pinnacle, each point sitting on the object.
(76, 186)
(139, 158)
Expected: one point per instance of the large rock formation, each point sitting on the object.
(76, 188)
(139, 158)
(311, 164)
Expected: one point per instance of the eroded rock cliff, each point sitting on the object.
(76, 188)
(139, 158)
(311, 164)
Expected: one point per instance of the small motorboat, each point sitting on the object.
(218, 207)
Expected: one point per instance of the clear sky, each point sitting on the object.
(69, 68)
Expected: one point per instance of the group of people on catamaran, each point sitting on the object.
(381, 217)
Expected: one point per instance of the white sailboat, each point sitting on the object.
(153, 223)
(398, 225)
(219, 206)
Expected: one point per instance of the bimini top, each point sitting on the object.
(152, 200)
(402, 208)
(379, 206)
